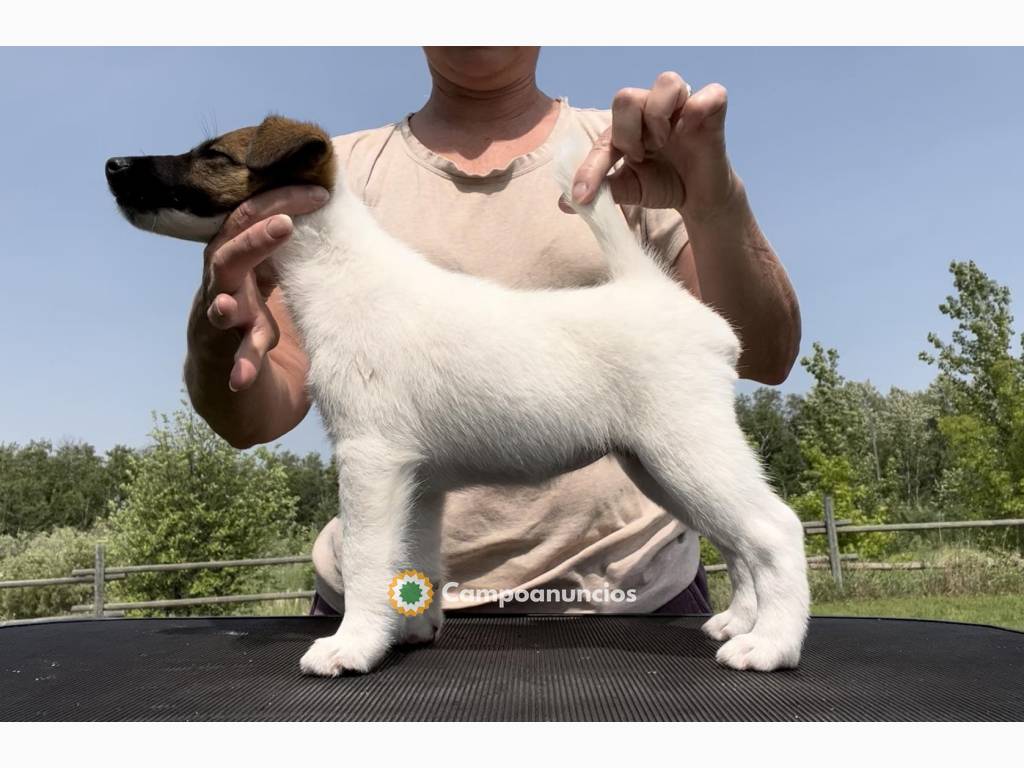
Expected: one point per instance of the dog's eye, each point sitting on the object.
(209, 153)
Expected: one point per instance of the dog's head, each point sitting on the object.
(189, 195)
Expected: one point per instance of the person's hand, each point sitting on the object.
(237, 278)
(673, 143)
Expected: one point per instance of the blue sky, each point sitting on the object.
(869, 169)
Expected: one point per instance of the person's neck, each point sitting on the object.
(480, 130)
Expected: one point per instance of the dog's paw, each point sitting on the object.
(417, 630)
(727, 624)
(335, 655)
(758, 652)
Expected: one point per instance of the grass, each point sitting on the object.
(960, 584)
(996, 610)
(280, 608)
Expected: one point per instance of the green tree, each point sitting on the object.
(976, 363)
(837, 434)
(192, 497)
(24, 472)
(118, 465)
(314, 483)
(981, 386)
(767, 419)
(832, 430)
(78, 486)
(911, 453)
(43, 487)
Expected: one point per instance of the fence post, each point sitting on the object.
(99, 582)
(833, 544)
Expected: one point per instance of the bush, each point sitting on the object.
(42, 556)
(192, 497)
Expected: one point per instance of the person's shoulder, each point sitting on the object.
(593, 121)
(359, 151)
(368, 139)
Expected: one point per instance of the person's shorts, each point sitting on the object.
(693, 599)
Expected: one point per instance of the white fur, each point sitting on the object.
(175, 223)
(428, 379)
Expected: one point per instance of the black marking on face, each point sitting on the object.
(188, 195)
(154, 182)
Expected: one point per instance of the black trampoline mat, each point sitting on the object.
(506, 668)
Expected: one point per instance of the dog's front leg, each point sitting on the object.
(424, 553)
(740, 616)
(377, 484)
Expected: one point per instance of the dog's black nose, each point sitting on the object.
(116, 165)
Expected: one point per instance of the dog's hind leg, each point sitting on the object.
(716, 487)
(739, 617)
(377, 488)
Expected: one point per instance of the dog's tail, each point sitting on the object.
(626, 257)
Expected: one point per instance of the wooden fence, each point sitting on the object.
(101, 573)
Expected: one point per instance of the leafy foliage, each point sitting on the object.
(43, 556)
(769, 422)
(982, 385)
(192, 497)
(42, 486)
(313, 483)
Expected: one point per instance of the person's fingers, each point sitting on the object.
(237, 310)
(594, 168)
(625, 186)
(705, 109)
(666, 98)
(257, 342)
(650, 184)
(293, 200)
(266, 276)
(232, 261)
(627, 122)
(223, 312)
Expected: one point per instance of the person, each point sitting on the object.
(463, 181)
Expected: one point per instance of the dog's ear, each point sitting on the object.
(285, 146)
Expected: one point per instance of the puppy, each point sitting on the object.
(428, 380)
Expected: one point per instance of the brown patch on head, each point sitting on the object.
(293, 152)
(276, 153)
(218, 168)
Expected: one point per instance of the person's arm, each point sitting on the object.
(729, 264)
(245, 371)
(673, 145)
(271, 406)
